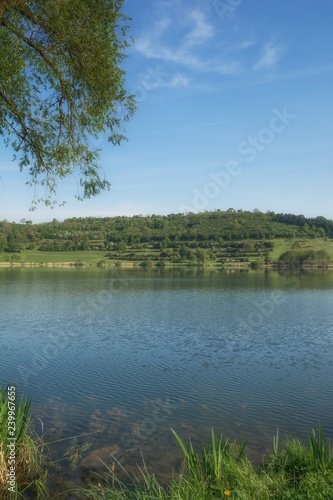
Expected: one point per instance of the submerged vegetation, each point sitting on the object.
(217, 238)
(296, 471)
(222, 469)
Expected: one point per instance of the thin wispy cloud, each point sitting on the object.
(246, 44)
(184, 37)
(189, 37)
(270, 56)
(278, 77)
(201, 30)
(178, 80)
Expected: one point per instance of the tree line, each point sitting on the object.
(231, 229)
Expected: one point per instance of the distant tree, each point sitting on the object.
(248, 246)
(3, 243)
(201, 256)
(313, 230)
(15, 257)
(121, 246)
(184, 251)
(147, 263)
(61, 81)
(322, 257)
(321, 232)
(13, 245)
(159, 224)
(165, 243)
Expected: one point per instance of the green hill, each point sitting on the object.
(211, 237)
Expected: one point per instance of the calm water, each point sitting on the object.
(125, 355)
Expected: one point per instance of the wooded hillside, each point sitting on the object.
(241, 236)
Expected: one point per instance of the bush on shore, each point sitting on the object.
(305, 258)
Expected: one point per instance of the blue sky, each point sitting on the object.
(234, 110)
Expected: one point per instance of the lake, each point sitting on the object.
(125, 355)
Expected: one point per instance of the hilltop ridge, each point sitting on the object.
(219, 236)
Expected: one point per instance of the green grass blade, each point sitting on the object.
(182, 445)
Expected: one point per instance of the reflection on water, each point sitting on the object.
(122, 356)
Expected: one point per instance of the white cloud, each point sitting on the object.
(246, 44)
(228, 68)
(201, 30)
(270, 56)
(184, 40)
(178, 80)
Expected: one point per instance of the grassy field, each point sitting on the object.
(139, 254)
(282, 246)
(89, 257)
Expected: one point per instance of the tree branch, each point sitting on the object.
(31, 142)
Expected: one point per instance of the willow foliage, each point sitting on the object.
(61, 83)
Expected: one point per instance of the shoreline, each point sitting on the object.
(136, 264)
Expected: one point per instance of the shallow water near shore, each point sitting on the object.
(122, 356)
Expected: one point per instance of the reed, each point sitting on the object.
(320, 451)
(221, 470)
(28, 453)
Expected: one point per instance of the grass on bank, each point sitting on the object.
(36, 256)
(27, 458)
(297, 471)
